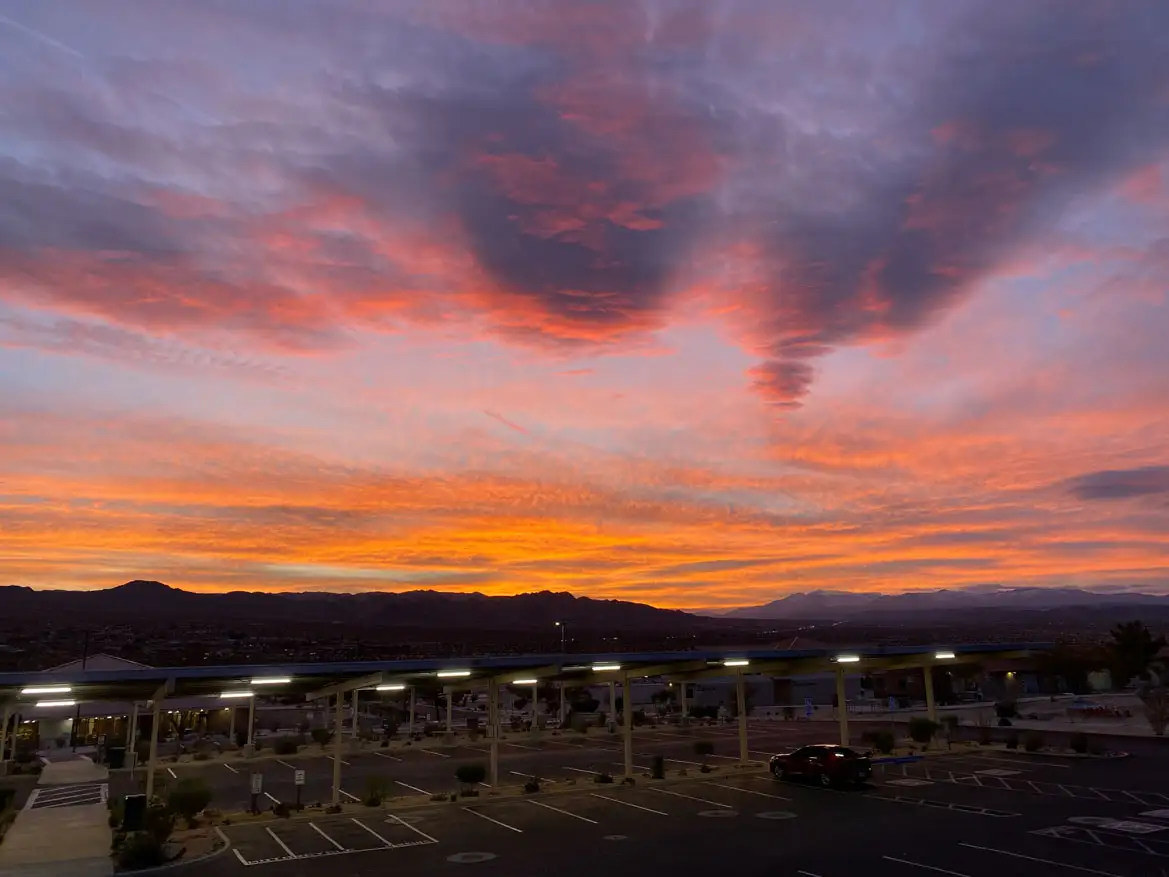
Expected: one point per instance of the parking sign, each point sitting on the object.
(298, 777)
(257, 783)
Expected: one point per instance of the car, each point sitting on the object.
(828, 764)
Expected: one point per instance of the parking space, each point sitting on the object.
(963, 830)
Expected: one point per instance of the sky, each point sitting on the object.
(691, 302)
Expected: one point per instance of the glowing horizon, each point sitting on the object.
(649, 301)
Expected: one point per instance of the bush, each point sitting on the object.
(159, 822)
(281, 810)
(1033, 742)
(322, 736)
(602, 778)
(658, 767)
(201, 756)
(1006, 709)
(471, 774)
(188, 797)
(639, 718)
(376, 791)
(1078, 743)
(469, 793)
(951, 723)
(1004, 722)
(286, 746)
(984, 735)
(1012, 741)
(922, 730)
(532, 786)
(241, 739)
(141, 850)
(883, 741)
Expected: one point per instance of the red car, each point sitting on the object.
(828, 764)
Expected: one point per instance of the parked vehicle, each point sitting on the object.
(828, 764)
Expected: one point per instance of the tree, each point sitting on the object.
(188, 798)
(1156, 701)
(1132, 649)
(322, 736)
(922, 730)
(470, 775)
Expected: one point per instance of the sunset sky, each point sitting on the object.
(697, 302)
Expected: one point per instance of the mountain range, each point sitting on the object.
(411, 609)
(845, 605)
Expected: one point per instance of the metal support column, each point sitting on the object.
(251, 750)
(450, 709)
(741, 693)
(841, 706)
(612, 704)
(931, 707)
(493, 719)
(682, 702)
(563, 704)
(627, 709)
(132, 731)
(152, 759)
(231, 725)
(536, 708)
(338, 727)
(356, 727)
(410, 719)
(7, 715)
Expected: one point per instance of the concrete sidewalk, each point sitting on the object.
(61, 841)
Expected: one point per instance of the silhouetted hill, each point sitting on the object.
(838, 605)
(420, 609)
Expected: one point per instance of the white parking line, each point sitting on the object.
(926, 867)
(1037, 859)
(232, 769)
(371, 831)
(272, 797)
(750, 791)
(172, 773)
(318, 830)
(518, 774)
(415, 788)
(691, 798)
(496, 821)
(476, 749)
(621, 764)
(521, 746)
(343, 761)
(347, 795)
(628, 804)
(565, 812)
(432, 752)
(383, 755)
(581, 770)
(807, 874)
(286, 764)
(412, 828)
(283, 845)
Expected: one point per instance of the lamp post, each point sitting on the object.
(563, 627)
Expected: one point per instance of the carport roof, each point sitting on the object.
(130, 684)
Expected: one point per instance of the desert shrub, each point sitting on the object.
(141, 850)
(883, 741)
(281, 810)
(286, 746)
(1078, 743)
(1006, 709)
(376, 791)
(1012, 741)
(322, 736)
(603, 778)
(922, 730)
(532, 786)
(188, 797)
(1004, 722)
(1033, 741)
(159, 822)
(201, 756)
(471, 774)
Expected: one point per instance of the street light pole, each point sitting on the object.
(563, 627)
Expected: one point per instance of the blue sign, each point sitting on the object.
(892, 702)
(808, 707)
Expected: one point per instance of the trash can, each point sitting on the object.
(133, 812)
(116, 757)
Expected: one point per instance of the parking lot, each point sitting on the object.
(418, 771)
(922, 819)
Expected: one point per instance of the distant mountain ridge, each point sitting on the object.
(843, 605)
(420, 609)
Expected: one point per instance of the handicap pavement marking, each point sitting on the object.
(908, 781)
(1127, 826)
(1106, 838)
(714, 814)
(997, 772)
(616, 837)
(470, 858)
(1156, 814)
(776, 814)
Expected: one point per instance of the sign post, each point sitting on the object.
(298, 779)
(257, 790)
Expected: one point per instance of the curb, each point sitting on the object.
(170, 866)
(1107, 756)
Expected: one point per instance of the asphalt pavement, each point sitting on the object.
(939, 823)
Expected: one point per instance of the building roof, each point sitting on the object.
(137, 682)
(100, 661)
